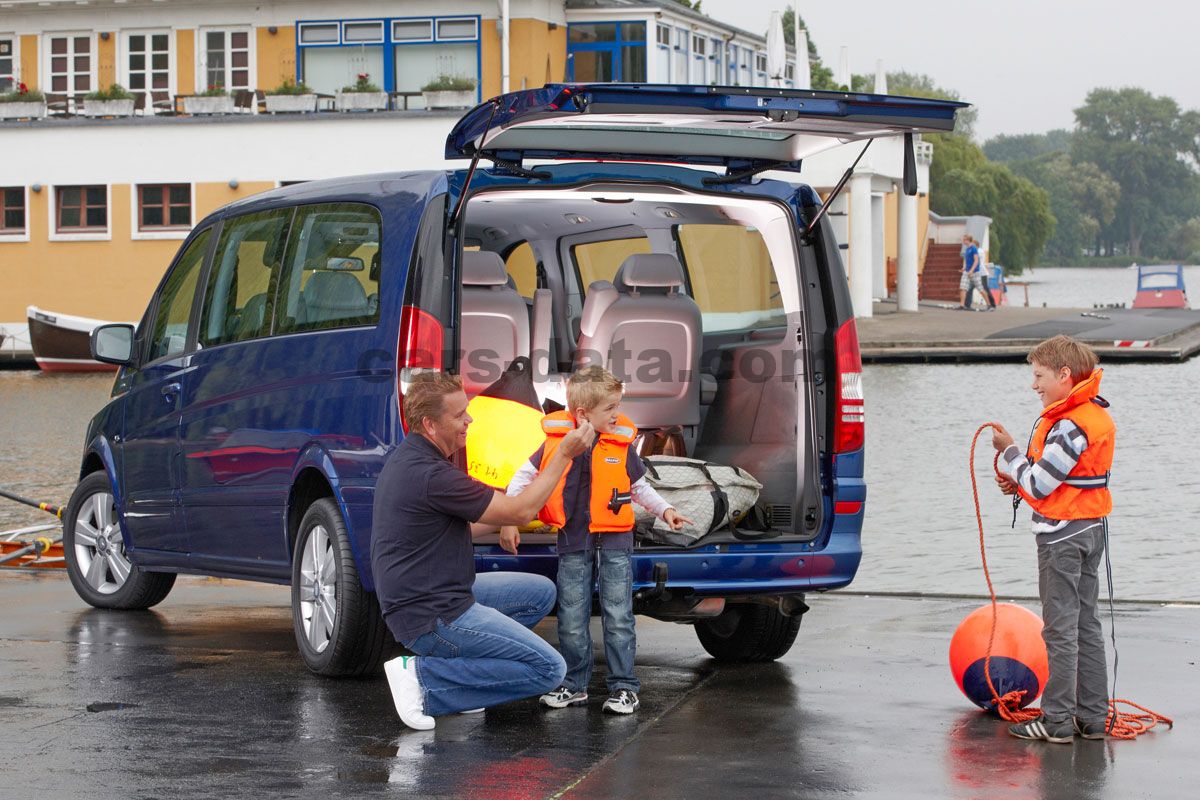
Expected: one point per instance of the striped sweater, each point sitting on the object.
(1065, 443)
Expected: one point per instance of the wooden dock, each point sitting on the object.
(939, 332)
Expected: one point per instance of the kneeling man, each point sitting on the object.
(471, 634)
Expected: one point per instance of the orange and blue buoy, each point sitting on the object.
(1018, 655)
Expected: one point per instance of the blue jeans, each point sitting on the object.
(575, 580)
(488, 655)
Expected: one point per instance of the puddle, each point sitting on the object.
(96, 707)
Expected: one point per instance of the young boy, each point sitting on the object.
(1064, 478)
(591, 509)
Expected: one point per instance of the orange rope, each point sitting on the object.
(1120, 724)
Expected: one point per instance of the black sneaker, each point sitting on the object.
(622, 701)
(1059, 733)
(1091, 730)
(563, 697)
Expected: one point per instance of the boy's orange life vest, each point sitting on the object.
(1084, 494)
(611, 503)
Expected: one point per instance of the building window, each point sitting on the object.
(82, 209)
(789, 72)
(319, 33)
(71, 64)
(149, 61)
(165, 207)
(760, 62)
(7, 60)
(412, 30)
(607, 51)
(12, 209)
(457, 30)
(664, 35)
(226, 59)
(699, 45)
(362, 32)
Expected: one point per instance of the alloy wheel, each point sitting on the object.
(318, 589)
(99, 548)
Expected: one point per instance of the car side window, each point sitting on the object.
(241, 284)
(169, 334)
(332, 268)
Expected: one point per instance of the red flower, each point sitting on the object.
(22, 89)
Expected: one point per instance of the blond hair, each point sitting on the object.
(425, 397)
(590, 386)
(1063, 351)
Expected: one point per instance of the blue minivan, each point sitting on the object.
(627, 224)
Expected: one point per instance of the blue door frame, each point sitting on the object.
(613, 48)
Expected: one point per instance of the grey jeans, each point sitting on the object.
(1069, 584)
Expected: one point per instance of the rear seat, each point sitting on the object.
(333, 296)
(495, 320)
(646, 314)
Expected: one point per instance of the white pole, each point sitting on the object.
(880, 77)
(906, 261)
(803, 74)
(860, 244)
(843, 76)
(504, 54)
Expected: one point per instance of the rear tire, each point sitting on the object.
(748, 632)
(339, 628)
(97, 565)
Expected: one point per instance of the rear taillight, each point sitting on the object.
(419, 349)
(848, 423)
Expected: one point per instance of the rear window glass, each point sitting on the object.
(522, 268)
(599, 261)
(332, 268)
(731, 276)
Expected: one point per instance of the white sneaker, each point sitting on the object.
(406, 693)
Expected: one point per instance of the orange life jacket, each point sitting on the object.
(611, 503)
(1084, 494)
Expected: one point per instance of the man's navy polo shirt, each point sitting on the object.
(421, 554)
(575, 536)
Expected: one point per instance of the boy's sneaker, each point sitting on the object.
(1060, 733)
(622, 702)
(563, 697)
(1091, 730)
(406, 693)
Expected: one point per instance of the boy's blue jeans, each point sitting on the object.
(488, 655)
(575, 580)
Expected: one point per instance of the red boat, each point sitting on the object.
(1160, 287)
(62, 342)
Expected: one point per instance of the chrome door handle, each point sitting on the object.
(171, 389)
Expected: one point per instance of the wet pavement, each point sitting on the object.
(205, 696)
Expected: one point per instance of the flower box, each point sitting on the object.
(361, 101)
(291, 103)
(108, 108)
(25, 110)
(449, 99)
(212, 104)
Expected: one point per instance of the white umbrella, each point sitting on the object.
(803, 75)
(776, 50)
(880, 77)
(842, 78)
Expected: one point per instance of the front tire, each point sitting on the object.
(97, 565)
(748, 632)
(339, 628)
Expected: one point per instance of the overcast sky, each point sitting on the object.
(1027, 64)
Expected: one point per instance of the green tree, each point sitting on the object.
(1082, 197)
(1185, 241)
(962, 182)
(915, 84)
(1024, 146)
(821, 75)
(1149, 146)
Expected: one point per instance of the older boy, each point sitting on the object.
(591, 508)
(1064, 478)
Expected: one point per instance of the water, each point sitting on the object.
(1066, 287)
(920, 533)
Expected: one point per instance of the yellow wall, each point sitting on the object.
(489, 57)
(276, 57)
(109, 280)
(185, 61)
(538, 54)
(106, 61)
(29, 62)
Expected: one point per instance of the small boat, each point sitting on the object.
(62, 342)
(1160, 287)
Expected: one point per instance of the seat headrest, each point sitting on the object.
(483, 268)
(651, 270)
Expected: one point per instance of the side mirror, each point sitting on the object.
(910, 166)
(113, 344)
